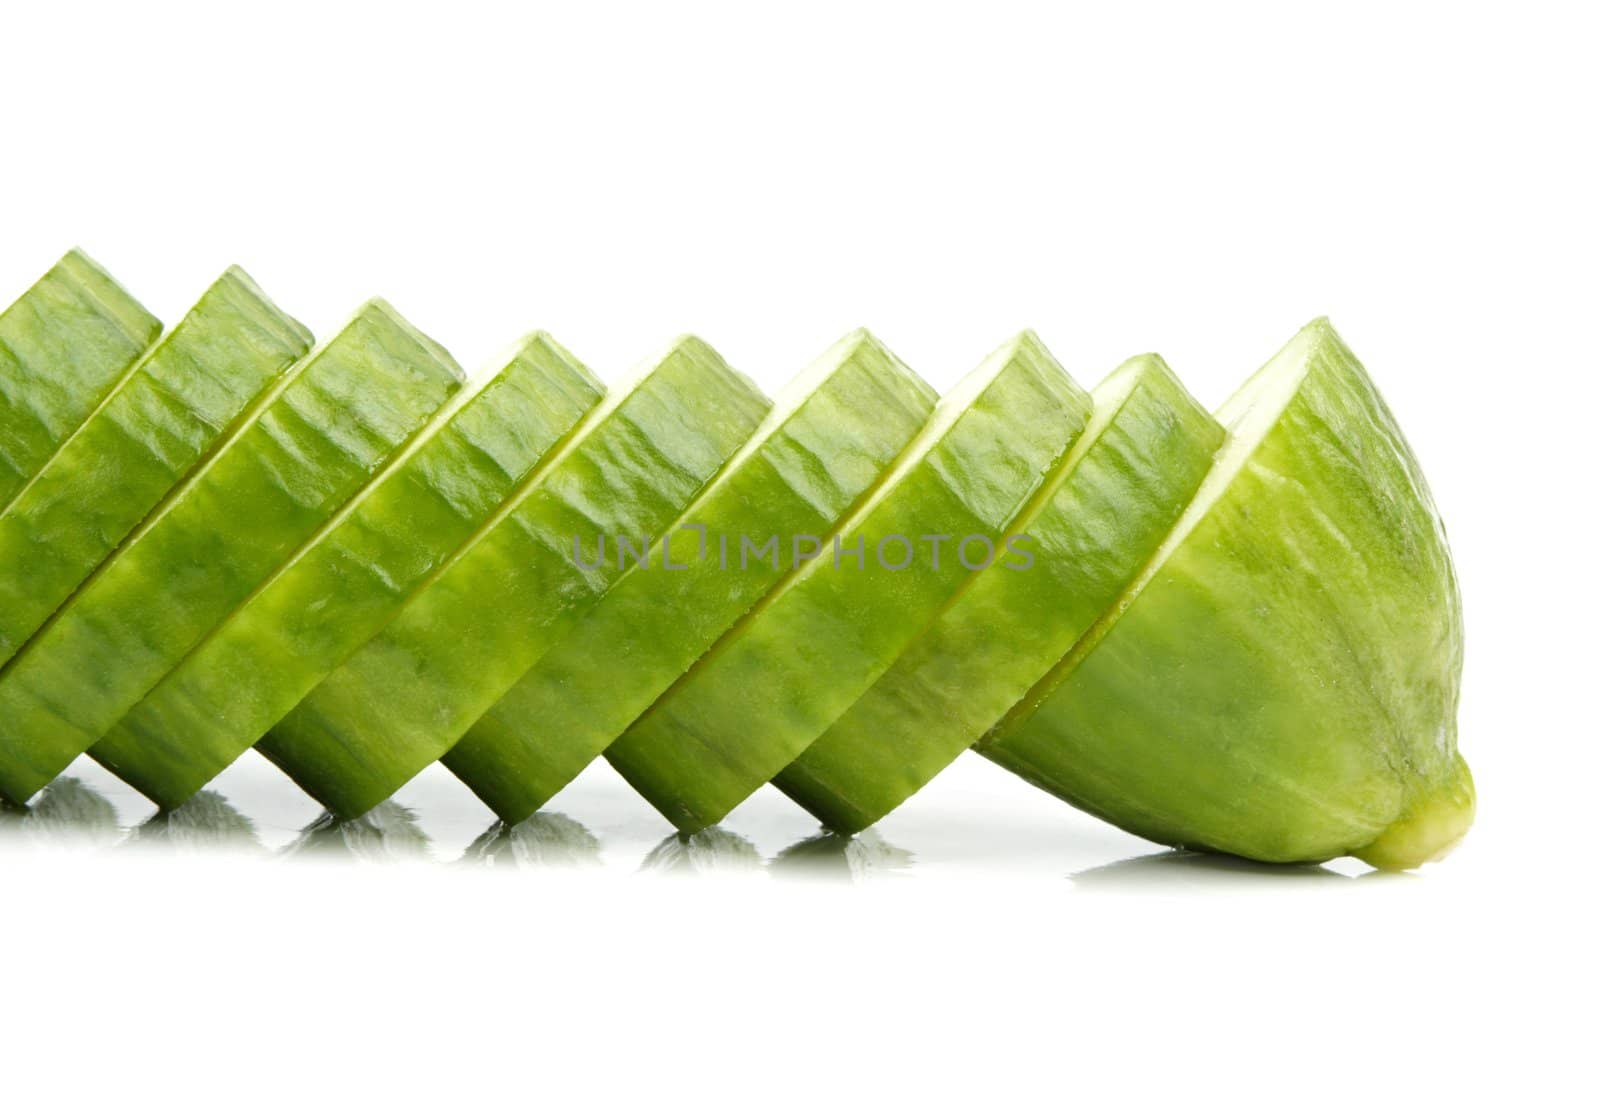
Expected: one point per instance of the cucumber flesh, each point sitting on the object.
(63, 345)
(1280, 681)
(509, 595)
(1090, 527)
(773, 684)
(331, 422)
(832, 434)
(150, 431)
(349, 579)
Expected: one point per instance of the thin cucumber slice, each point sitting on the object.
(774, 683)
(480, 621)
(331, 422)
(63, 345)
(150, 431)
(832, 434)
(350, 579)
(1280, 680)
(1089, 529)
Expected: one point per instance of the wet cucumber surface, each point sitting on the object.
(1240, 633)
(330, 423)
(63, 346)
(166, 414)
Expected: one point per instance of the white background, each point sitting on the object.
(1198, 180)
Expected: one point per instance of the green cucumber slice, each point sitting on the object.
(63, 345)
(143, 439)
(350, 579)
(479, 622)
(329, 425)
(833, 432)
(1103, 512)
(770, 686)
(1280, 681)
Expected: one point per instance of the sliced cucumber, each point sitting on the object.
(63, 345)
(147, 434)
(479, 622)
(350, 579)
(1280, 681)
(774, 683)
(1102, 513)
(328, 426)
(830, 437)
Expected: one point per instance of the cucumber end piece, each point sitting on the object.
(1431, 828)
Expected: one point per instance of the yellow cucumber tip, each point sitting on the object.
(1431, 828)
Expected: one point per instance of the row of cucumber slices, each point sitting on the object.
(1238, 632)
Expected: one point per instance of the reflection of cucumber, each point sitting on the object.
(206, 823)
(349, 579)
(1099, 517)
(828, 439)
(774, 683)
(328, 426)
(710, 851)
(507, 597)
(63, 345)
(388, 833)
(1280, 681)
(544, 840)
(145, 437)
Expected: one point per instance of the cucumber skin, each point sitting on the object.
(346, 584)
(1123, 488)
(1314, 714)
(653, 623)
(331, 423)
(150, 431)
(775, 683)
(489, 614)
(63, 345)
